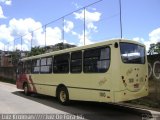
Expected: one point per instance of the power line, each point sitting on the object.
(44, 26)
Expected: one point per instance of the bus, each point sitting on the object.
(110, 71)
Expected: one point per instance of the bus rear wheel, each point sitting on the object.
(26, 89)
(63, 96)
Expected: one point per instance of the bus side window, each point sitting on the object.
(76, 62)
(49, 63)
(61, 63)
(27, 67)
(96, 60)
(35, 65)
(104, 61)
(46, 65)
(20, 68)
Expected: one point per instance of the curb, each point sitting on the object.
(146, 113)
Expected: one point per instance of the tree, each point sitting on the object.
(36, 51)
(16, 55)
(61, 46)
(40, 50)
(154, 48)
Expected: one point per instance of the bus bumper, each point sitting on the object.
(126, 95)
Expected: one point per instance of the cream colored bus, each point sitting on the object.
(109, 71)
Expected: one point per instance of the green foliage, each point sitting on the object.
(15, 57)
(154, 48)
(40, 50)
(36, 51)
(61, 46)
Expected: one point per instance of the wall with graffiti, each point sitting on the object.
(154, 76)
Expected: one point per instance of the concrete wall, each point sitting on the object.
(154, 76)
(8, 72)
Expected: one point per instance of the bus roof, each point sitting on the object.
(106, 42)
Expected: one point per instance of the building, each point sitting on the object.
(5, 59)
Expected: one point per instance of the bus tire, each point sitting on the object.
(63, 96)
(26, 89)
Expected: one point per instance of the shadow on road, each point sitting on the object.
(89, 110)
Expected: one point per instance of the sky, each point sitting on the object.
(26, 23)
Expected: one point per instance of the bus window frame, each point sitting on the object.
(25, 67)
(50, 65)
(99, 47)
(32, 70)
(81, 68)
(20, 67)
(55, 64)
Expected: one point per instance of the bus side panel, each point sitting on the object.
(127, 95)
(46, 89)
(91, 87)
(44, 84)
(84, 95)
(21, 78)
(85, 87)
(90, 95)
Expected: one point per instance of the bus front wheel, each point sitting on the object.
(63, 96)
(26, 89)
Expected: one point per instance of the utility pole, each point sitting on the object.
(31, 39)
(84, 26)
(63, 20)
(120, 17)
(45, 36)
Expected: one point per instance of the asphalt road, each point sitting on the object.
(13, 101)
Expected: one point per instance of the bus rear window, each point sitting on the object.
(132, 53)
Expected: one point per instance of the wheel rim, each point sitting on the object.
(63, 96)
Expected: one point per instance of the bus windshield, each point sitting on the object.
(132, 53)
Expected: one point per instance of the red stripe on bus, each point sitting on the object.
(34, 88)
